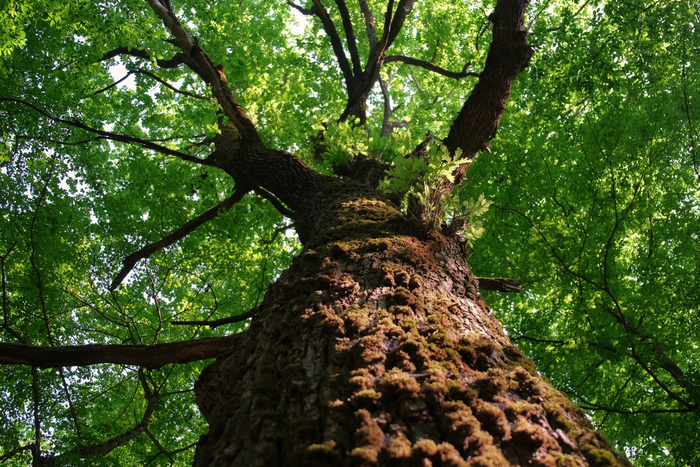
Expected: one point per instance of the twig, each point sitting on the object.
(151, 75)
(430, 67)
(37, 419)
(278, 231)
(218, 322)
(275, 202)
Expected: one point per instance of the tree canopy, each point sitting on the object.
(594, 178)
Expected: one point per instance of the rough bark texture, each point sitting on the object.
(375, 349)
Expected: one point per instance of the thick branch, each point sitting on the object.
(350, 37)
(402, 10)
(508, 56)
(387, 124)
(336, 43)
(180, 233)
(112, 136)
(430, 67)
(369, 23)
(393, 22)
(213, 75)
(148, 356)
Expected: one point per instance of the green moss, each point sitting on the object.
(458, 391)
(424, 448)
(367, 398)
(363, 456)
(317, 455)
(600, 457)
(516, 358)
(397, 383)
(402, 296)
(450, 457)
(401, 310)
(403, 279)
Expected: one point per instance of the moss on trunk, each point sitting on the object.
(374, 348)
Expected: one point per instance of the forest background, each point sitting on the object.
(594, 178)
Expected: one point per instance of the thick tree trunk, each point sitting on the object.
(375, 349)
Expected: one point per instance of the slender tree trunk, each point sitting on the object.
(374, 348)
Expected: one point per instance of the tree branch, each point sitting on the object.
(37, 420)
(10, 454)
(357, 100)
(387, 124)
(337, 45)
(5, 308)
(160, 447)
(402, 10)
(218, 322)
(278, 231)
(112, 136)
(595, 407)
(661, 384)
(161, 81)
(500, 285)
(275, 202)
(147, 356)
(302, 10)
(131, 260)
(177, 60)
(369, 23)
(105, 447)
(508, 56)
(430, 67)
(350, 37)
(213, 75)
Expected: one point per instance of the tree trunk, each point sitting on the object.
(374, 348)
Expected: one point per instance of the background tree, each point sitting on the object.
(80, 200)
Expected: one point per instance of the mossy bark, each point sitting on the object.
(374, 348)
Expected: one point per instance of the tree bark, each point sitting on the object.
(374, 348)
(147, 356)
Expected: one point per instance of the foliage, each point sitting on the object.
(595, 181)
(421, 177)
(594, 178)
